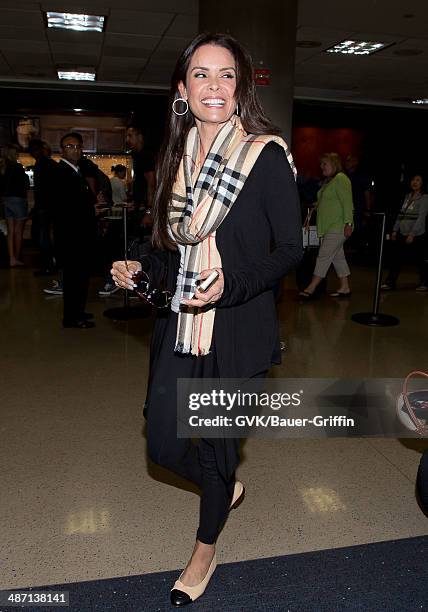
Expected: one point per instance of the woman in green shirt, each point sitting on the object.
(334, 226)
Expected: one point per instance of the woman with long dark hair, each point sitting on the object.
(226, 201)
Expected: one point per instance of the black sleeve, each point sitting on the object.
(161, 267)
(88, 168)
(19, 176)
(281, 202)
(148, 161)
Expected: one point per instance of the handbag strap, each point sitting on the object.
(421, 429)
(307, 222)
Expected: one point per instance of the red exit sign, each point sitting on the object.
(262, 76)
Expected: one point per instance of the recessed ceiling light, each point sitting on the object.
(76, 21)
(357, 47)
(74, 75)
(420, 101)
(77, 110)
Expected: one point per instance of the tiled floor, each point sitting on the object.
(78, 501)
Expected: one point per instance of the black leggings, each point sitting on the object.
(400, 251)
(197, 463)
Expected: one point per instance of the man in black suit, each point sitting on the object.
(75, 231)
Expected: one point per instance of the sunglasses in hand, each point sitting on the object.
(155, 297)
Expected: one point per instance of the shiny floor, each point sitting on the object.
(78, 501)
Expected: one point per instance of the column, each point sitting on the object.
(267, 28)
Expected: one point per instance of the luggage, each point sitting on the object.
(305, 270)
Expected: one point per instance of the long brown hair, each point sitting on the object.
(8, 155)
(251, 113)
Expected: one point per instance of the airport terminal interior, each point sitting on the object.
(330, 522)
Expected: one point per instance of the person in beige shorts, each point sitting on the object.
(334, 226)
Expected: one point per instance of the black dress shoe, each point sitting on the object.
(80, 324)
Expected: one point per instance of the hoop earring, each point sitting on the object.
(237, 109)
(180, 100)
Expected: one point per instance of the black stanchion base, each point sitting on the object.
(125, 313)
(375, 320)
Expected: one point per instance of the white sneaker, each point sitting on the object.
(109, 289)
(56, 288)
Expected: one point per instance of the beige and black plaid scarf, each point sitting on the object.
(200, 202)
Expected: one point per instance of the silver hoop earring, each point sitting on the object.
(237, 109)
(180, 100)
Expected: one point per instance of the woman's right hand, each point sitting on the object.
(394, 236)
(122, 273)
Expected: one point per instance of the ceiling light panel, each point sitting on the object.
(357, 47)
(74, 75)
(420, 101)
(76, 21)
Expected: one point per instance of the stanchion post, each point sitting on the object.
(125, 251)
(376, 297)
(375, 318)
(125, 312)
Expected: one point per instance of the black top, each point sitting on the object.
(142, 162)
(44, 178)
(14, 182)
(89, 169)
(259, 241)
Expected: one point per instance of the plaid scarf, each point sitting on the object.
(199, 204)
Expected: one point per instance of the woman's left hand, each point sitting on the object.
(211, 295)
(409, 239)
(347, 231)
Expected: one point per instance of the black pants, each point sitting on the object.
(76, 274)
(47, 261)
(401, 251)
(198, 463)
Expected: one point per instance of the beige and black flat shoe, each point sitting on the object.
(181, 594)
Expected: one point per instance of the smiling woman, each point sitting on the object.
(210, 91)
(226, 201)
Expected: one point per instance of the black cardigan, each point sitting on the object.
(259, 241)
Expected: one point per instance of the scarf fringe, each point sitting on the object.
(182, 349)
